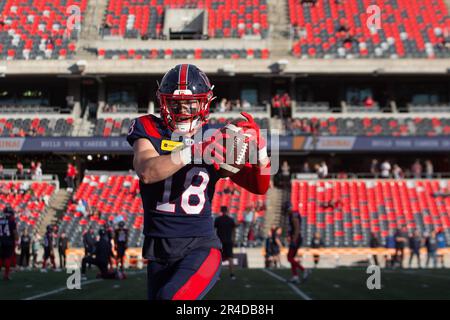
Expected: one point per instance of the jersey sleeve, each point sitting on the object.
(251, 178)
(145, 127)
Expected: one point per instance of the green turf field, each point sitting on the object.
(251, 284)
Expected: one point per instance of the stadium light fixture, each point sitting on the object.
(79, 67)
(279, 66)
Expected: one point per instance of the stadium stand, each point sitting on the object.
(330, 29)
(237, 200)
(368, 126)
(110, 196)
(199, 53)
(37, 29)
(226, 19)
(37, 126)
(345, 212)
(26, 198)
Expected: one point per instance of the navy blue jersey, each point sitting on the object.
(179, 206)
(121, 236)
(295, 216)
(48, 241)
(7, 229)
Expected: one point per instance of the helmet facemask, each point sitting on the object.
(183, 111)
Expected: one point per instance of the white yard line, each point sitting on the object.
(49, 293)
(292, 286)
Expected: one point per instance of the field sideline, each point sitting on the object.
(344, 283)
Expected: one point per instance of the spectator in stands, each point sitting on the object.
(374, 244)
(63, 245)
(306, 168)
(322, 170)
(246, 105)
(415, 243)
(401, 237)
(397, 172)
(385, 169)
(238, 104)
(20, 173)
(317, 243)
(25, 242)
(225, 228)
(38, 171)
(2, 176)
(276, 105)
(286, 104)
(24, 187)
(416, 169)
(374, 168)
(343, 27)
(431, 245)
(310, 3)
(368, 102)
(429, 169)
(223, 105)
(70, 177)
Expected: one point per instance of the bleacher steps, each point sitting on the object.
(56, 208)
(273, 212)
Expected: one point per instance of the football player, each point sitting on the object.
(180, 243)
(48, 249)
(120, 242)
(8, 238)
(295, 240)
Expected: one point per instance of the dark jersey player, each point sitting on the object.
(120, 242)
(177, 189)
(8, 238)
(295, 241)
(48, 249)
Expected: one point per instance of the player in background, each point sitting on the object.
(8, 239)
(100, 258)
(225, 227)
(48, 249)
(120, 243)
(177, 191)
(295, 240)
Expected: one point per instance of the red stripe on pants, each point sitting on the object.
(198, 282)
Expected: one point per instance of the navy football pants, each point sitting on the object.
(189, 278)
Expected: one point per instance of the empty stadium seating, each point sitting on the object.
(369, 126)
(119, 127)
(226, 19)
(40, 127)
(29, 207)
(409, 29)
(346, 212)
(112, 127)
(31, 29)
(199, 53)
(110, 196)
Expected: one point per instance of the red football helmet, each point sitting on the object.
(184, 95)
